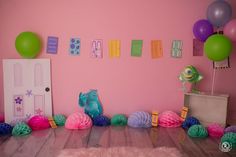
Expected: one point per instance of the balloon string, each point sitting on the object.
(213, 81)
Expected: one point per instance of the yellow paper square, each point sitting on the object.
(114, 48)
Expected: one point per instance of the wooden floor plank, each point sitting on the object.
(3, 138)
(99, 137)
(138, 137)
(9, 147)
(160, 137)
(55, 143)
(78, 139)
(184, 143)
(33, 144)
(118, 136)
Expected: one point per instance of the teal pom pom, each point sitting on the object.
(21, 129)
(119, 120)
(230, 138)
(59, 119)
(198, 131)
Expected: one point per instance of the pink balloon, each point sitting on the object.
(230, 30)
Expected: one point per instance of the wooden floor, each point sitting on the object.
(46, 143)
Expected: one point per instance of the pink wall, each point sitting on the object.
(126, 84)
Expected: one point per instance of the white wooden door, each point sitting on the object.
(27, 88)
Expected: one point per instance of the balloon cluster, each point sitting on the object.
(217, 47)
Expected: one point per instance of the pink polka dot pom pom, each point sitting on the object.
(38, 122)
(78, 121)
(215, 130)
(1, 118)
(169, 119)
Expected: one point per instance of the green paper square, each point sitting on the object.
(136, 48)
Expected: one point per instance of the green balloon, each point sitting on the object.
(28, 44)
(218, 47)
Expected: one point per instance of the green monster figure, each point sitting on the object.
(190, 74)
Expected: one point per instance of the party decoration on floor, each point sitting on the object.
(136, 48)
(176, 50)
(19, 120)
(230, 138)
(78, 121)
(52, 45)
(169, 119)
(184, 113)
(38, 122)
(97, 48)
(5, 129)
(156, 49)
(197, 131)
(114, 48)
(190, 74)
(190, 121)
(28, 44)
(197, 47)
(90, 102)
(59, 119)
(119, 120)
(215, 130)
(219, 13)
(21, 129)
(140, 119)
(230, 30)
(101, 120)
(202, 29)
(230, 129)
(52, 122)
(221, 64)
(75, 46)
(218, 47)
(154, 118)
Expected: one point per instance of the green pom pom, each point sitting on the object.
(119, 120)
(21, 129)
(230, 138)
(59, 119)
(198, 131)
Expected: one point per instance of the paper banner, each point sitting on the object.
(221, 64)
(156, 49)
(197, 47)
(136, 48)
(176, 50)
(114, 48)
(97, 48)
(75, 46)
(52, 45)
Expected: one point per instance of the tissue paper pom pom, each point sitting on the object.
(197, 131)
(230, 129)
(5, 129)
(229, 137)
(59, 119)
(78, 121)
(215, 130)
(21, 129)
(189, 121)
(38, 122)
(101, 121)
(119, 120)
(169, 119)
(140, 119)
(1, 118)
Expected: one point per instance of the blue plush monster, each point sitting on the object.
(91, 104)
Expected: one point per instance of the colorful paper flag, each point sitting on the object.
(136, 48)
(52, 45)
(97, 48)
(114, 48)
(74, 46)
(197, 47)
(156, 49)
(176, 50)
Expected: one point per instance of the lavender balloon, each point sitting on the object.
(202, 29)
(219, 13)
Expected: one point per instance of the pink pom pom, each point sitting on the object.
(215, 130)
(1, 118)
(169, 119)
(38, 122)
(78, 121)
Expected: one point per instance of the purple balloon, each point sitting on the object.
(219, 13)
(202, 29)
